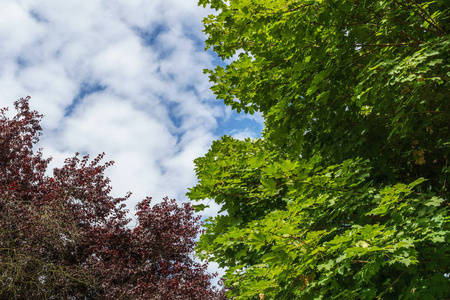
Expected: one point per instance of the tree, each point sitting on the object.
(65, 237)
(345, 196)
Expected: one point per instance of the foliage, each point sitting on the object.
(65, 237)
(346, 195)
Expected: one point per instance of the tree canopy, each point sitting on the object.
(345, 195)
(65, 237)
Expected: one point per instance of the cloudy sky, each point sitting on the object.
(122, 77)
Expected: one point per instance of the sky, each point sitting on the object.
(124, 77)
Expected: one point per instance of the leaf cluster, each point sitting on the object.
(345, 196)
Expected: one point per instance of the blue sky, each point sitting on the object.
(122, 77)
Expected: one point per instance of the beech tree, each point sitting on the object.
(345, 195)
(65, 237)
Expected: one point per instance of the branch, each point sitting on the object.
(360, 261)
(332, 189)
(433, 23)
(389, 44)
(302, 242)
(430, 112)
(392, 284)
(292, 9)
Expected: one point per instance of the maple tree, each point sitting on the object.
(65, 237)
(345, 195)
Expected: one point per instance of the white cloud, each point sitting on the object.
(243, 134)
(150, 105)
(122, 77)
(17, 29)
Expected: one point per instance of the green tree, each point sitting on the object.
(345, 196)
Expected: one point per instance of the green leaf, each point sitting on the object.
(199, 207)
(331, 202)
(434, 201)
(269, 185)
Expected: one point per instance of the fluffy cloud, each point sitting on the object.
(122, 77)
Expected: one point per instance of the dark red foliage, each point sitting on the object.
(65, 237)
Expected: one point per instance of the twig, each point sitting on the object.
(433, 23)
(389, 44)
(392, 284)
